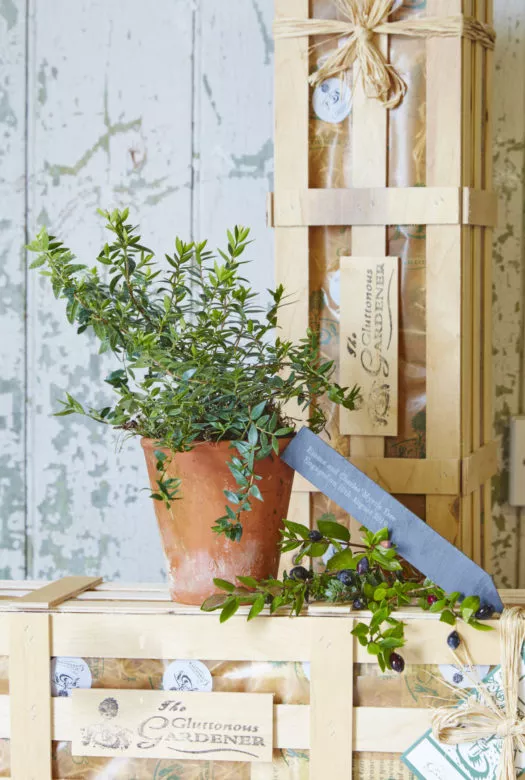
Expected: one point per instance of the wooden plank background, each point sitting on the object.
(166, 108)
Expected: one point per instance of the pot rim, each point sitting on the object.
(149, 444)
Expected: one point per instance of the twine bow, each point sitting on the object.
(362, 21)
(485, 718)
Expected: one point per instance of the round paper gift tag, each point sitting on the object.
(187, 676)
(67, 674)
(332, 101)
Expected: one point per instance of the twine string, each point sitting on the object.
(452, 725)
(361, 22)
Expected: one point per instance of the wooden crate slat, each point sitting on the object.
(30, 696)
(56, 592)
(487, 297)
(443, 263)
(291, 170)
(403, 475)
(369, 206)
(369, 169)
(331, 703)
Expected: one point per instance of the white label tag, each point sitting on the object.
(332, 101)
(67, 674)
(187, 676)
(463, 677)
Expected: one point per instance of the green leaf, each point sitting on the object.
(258, 410)
(38, 262)
(258, 606)
(471, 602)
(224, 585)
(361, 629)
(448, 617)
(342, 560)
(233, 497)
(214, 602)
(256, 493)
(253, 435)
(480, 626)
(248, 582)
(317, 549)
(297, 528)
(229, 609)
(373, 648)
(333, 530)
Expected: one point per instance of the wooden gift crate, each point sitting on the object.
(352, 723)
(446, 477)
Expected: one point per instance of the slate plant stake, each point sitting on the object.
(200, 363)
(367, 575)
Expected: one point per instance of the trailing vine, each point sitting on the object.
(368, 575)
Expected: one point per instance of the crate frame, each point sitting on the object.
(82, 617)
(459, 210)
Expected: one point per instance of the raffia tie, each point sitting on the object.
(453, 725)
(362, 21)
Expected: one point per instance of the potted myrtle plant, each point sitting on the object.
(205, 380)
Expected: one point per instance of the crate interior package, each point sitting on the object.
(411, 182)
(325, 686)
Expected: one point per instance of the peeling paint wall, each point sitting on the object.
(508, 320)
(166, 108)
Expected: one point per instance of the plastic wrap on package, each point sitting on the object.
(419, 686)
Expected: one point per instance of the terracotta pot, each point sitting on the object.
(194, 553)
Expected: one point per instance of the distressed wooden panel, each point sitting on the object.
(110, 124)
(12, 287)
(509, 159)
(234, 136)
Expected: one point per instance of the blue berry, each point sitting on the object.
(363, 566)
(454, 640)
(299, 573)
(457, 678)
(346, 577)
(485, 612)
(315, 536)
(397, 662)
(358, 604)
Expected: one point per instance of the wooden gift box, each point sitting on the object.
(352, 722)
(341, 190)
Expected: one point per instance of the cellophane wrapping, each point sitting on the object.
(419, 686)
(330, 166)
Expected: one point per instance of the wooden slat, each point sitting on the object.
(443, 263)
(476, 275)
(298, 512)
(30, 696)
(479, 467)
(331, 705)
(368, 206)
(467, 290)
(404, 476)
(480, 207)
(487, 299)
(369, 169)
(56, 592)
(291, 170)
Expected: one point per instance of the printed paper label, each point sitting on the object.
(187, 676)
(68, 674)
(332, 101)
(369, 343)
(176, 725)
